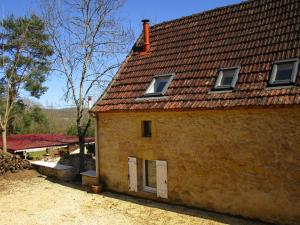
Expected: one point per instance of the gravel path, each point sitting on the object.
(29, 198)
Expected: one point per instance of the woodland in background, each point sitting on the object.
(63, 121)
(29, 118)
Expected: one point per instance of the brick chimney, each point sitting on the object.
(146, 36)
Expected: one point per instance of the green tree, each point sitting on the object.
(33, 120)
(72, 130)
(25, 62)
(17, 111)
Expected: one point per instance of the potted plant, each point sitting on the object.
(97, 188)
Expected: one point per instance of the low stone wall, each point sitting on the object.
(64, 174)
(89, 178)
(73, 160)
(88, 181)
(66, 168)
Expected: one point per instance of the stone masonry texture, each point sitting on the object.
(242, 162)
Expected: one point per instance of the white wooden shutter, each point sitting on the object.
(162, 179)
(132, 174)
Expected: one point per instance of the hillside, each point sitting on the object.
(63, 121)
(60, 119)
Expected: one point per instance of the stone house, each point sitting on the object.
(205, 112)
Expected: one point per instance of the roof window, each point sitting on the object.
(284, 72)
(227, 78)
(159, 85)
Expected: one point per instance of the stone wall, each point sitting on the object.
(61, 174)
(74, 161)
(88, 180)
(242, 162)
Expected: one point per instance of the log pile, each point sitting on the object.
(12, 163)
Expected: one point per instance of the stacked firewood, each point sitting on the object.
(12, 163)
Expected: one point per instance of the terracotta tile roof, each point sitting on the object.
(29, 141)
(252, 35)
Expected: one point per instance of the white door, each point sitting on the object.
(162, 179)
(132, 174)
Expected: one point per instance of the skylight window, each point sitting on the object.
(227, 78)
(159, 85)
(284, 72)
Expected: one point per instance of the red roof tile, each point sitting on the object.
(252, 35)
(29, 141)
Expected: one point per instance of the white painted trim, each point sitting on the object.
(162, 178)
(89, 173)
(46, 147)
(41, 149)
(132, 174)
(31, 150)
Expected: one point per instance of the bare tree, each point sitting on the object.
(87, 38)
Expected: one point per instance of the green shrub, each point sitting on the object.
(36, 155)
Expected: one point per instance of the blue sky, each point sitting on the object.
(132, 13)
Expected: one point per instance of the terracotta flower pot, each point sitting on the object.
(97, 188)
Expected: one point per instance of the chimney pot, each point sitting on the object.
(146, 32)
(90, 102)
(145, 21)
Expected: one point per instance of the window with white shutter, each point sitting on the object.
(161, 179)
(132, 174)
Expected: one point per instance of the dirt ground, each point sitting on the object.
(30, 198)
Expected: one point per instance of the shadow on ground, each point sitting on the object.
(194, 212)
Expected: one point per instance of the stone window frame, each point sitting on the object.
(150, 94)
(273, 83)
(147, 188)
(219, 87)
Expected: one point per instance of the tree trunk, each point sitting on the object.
(4, 140)
(10, 127)
(81, 154)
